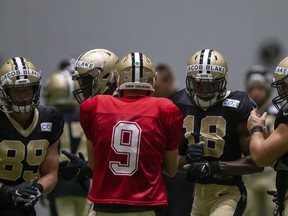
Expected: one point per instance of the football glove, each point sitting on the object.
(75, 169)
(195, 152)
(26, 192)
(201, 169)
(196, 170)
(275, 200)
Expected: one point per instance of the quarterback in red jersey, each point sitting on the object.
(131, 139)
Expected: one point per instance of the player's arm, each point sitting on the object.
(170, 162)
(90, 150)
(49, 168)
(199, 168)
(172, 120)
(266, 152)
(244, 137)
(242, 166)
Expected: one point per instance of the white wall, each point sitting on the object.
(166, 30)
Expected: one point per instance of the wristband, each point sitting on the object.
(215, 167)
(40, 187)
(5, 191)
(256, 128)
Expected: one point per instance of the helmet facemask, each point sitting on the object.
(89, 85)
(22, 106)
(206, 92)
(282, 89)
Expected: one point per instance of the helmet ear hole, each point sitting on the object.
(106, 76)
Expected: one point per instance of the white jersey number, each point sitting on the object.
(126, 138)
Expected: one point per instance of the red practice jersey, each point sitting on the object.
(130, 136)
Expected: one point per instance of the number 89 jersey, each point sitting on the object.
(216, 126)
(23, 150)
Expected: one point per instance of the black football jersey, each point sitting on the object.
(281, 165)
(23, 150)
(216, 126)
(72, 140)
(282, 118)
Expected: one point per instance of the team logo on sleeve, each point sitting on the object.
(46, 126)
(231, 103)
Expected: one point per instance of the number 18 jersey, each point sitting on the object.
(130, 136)
(216, 126)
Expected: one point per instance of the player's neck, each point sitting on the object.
(22, 118)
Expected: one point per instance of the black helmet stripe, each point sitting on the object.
(15, 63)
(23, 63)
(209, 58)
(137, 66)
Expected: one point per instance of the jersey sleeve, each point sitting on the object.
(172, 120)
(86, 116)
(245, 107)
(58, 124)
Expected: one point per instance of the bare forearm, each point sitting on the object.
(257, 151)
(242, 166)
(48, 182)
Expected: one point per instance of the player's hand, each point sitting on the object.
(26, 192)
(275, 200)
(196, 170)
(256, 119)
(195, 152)
(75, 169)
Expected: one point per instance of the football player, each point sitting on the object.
(131, 139)
(266, 151)
(258, 86)
(216, 119)
(29, 139)
(94, 73)
(68, 197)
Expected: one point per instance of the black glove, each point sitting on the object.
(76, 169)
(201, 169)
(26, 192)
(195, 152)
(275, 200)
(196, 170)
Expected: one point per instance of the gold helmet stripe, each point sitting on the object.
(137, 66)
